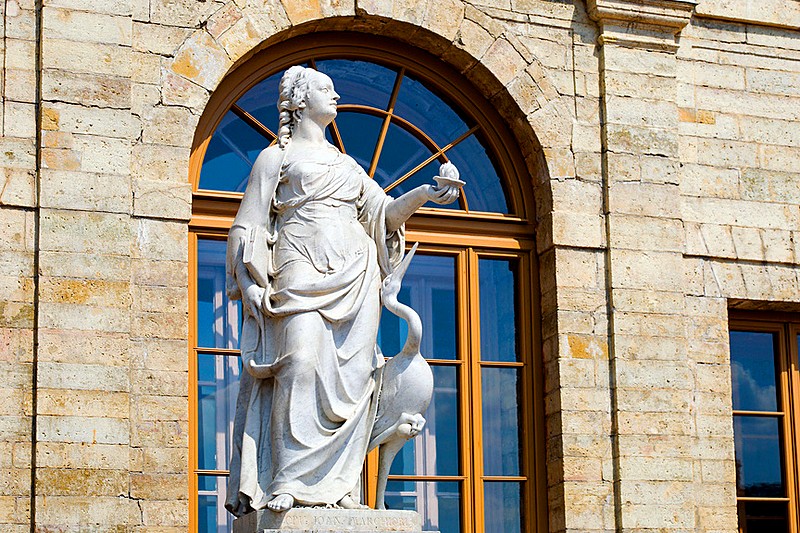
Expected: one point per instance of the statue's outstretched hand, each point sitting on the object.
(448, 185)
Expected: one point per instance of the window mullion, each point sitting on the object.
(476, 400)
(791, 396)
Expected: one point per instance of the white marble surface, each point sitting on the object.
(308, 519)
(308, 250)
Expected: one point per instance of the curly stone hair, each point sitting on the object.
(292, 92)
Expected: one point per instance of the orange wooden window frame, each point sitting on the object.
(787, 327)
(465, 235)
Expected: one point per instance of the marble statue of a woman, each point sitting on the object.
(312, 240)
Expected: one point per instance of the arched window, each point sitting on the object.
(477, 465)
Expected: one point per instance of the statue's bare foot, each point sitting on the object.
(281, 503)
(349, 503)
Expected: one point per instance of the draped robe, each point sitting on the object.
(313, 235)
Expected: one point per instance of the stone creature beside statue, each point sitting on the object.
(314, 251)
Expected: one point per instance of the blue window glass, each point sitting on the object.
(212, 517)
(498, 290)
(217, 390)
(502, 506)
(360, 82)
(501, 421)
(753, 370)
(260, 102)
(231, 153)
(438, 502)
(218, 318)
(359, 133)
(483, 190)
(420, 106)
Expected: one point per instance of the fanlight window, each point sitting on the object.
(401, 114)
(394, 125)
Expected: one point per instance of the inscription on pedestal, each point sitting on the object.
(328, 521)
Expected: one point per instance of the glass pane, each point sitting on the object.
(429, 287)
(218, 318)
(484, 190)
(360, 82)
(212, 517)
(417, 104)
(763, 517)
(498, 288)
(401, 153)
(231, 153)
(501, 425)
(753, 370)
(217, 390)
(759, 456)
(438, 502)
(262, 101)
(421, 177)
(502, 506)
(359, 135)
(436, 450)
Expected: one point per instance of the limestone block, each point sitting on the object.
(87, 57)
(324, 520)
(166, 460)
(108, 510)
(706, 180)
(104, 233)
(623, 59)
(114, 123)
(636, 423)
(150, 407)
(162, 199)
(577, 229)
(100, 293)
(81, 455)
(472, 38)
(662, 492)
(20, 85)
(160, 325)
(70, 402)
(146, 96)
(223, 19)
(20, 21)
(17, 187)
(145, 67)
(157, 39)
(105, 155)
(108, 7)
(778, 158)
(160, 273)
(88, 430)
(152, 487)
(87, 191)
(644, 199)
(769, 131)
(577, 268)
(83, 317)
(503, 60)
(160, 299)
(177, 90)
(756, 104)
(165, 513)
(19, 119)
(636, 140)
(718, 240)
(269, 17)
(444, 18)
(202, 60)
(241, 38)
(161, 240)
(20, 54)
(163, 434)
(185, 13)
(741, 213)
(86, 89)
(77, 25)
(169, 125)
(160, 354)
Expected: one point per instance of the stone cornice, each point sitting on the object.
(641, 23)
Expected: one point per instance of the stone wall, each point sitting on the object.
(665, 175)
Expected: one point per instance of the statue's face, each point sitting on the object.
(321, 98)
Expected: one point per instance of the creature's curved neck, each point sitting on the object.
(411, 317)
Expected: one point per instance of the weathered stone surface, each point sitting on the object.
(333, 520)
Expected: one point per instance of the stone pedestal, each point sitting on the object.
(320, 520)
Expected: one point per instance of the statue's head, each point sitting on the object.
(299, 88)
